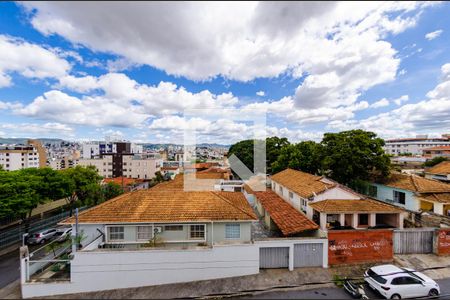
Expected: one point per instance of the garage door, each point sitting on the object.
(308, 255)
(272, 258)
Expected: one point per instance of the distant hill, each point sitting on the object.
(24, 140)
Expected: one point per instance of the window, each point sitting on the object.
(399, 197)
(373, 191)
(291, 195)
(116, 233)
(173, 228)
(404, 280)
(363, 219)
(197, 231)
(280, 189)
(232, 231)
(144, 232)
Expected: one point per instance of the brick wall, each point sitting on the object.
(359, 246)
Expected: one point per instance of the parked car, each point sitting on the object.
(42, 236)
(394, 282)
(62, 234)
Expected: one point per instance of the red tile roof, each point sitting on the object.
(301, 183)
(442, 168)
(438, 148)
(353, 206)
(287, 218)
(163, 206)
(126, 181)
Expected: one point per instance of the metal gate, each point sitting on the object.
(415, 240)
(273, 257)
(308, 255)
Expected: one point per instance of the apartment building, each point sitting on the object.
(415, 145)
(437, 151)
(93, 149)
(139, 166)
(16, 157)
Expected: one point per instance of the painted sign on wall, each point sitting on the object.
(443, 242)
(359, 246)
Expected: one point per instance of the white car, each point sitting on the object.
(393, 282)
(62, 234)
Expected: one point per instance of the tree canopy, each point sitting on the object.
(23, 190)
(346, 157)
(434, 161)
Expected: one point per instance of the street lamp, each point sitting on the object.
(23, 238)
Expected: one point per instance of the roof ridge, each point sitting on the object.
(414, 183)
(229, 202)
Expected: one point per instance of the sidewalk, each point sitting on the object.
(266, 279)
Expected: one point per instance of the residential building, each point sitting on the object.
(16, 157)
(61, 164)
(441, 172)
(358, 214)
(140, 166)
(318, 197)
(94, 149)
(300, 188)
(437, 151)
(415, 145)
(178, 219)
(413, 192)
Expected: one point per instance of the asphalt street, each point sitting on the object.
(9, 266)
(336, 293)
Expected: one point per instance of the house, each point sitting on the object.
(175, 218)
(357, 214)
(280, 216)
(440, 172)
(300, 188)
(414, 193)
(170, 171)
(437, 151)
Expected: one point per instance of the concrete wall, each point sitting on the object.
(95, 271)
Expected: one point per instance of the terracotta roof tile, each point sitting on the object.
(416, 184)
(301, 183)
(438, 148)
(126, 181)
(352, 206)
(442, 168)
(441, 197)
(287, 218)
(169, 206)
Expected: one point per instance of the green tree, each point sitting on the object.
(303, 156)
(434, 161)
(353, 155)
(111, 190)
(244, 150)
(84, 186)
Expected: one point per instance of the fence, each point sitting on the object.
(14, 235)
(413, 240)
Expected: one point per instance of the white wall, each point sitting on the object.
(105, 270)
(335, 193)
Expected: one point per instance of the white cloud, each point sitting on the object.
(432, 35)
(380, 103)
(28, 60)
(241, 41)
(37, 130)
(260, 93)
(401, 99)
(427, 116)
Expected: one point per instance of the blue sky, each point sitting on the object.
(82, 71)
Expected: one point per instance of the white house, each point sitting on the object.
(327, 202)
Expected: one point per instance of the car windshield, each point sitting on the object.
(413, 274)
(59, 233)
(376, 277)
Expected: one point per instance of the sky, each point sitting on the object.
(147, 71)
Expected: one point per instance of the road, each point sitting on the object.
(336, 293)
(9, 265)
